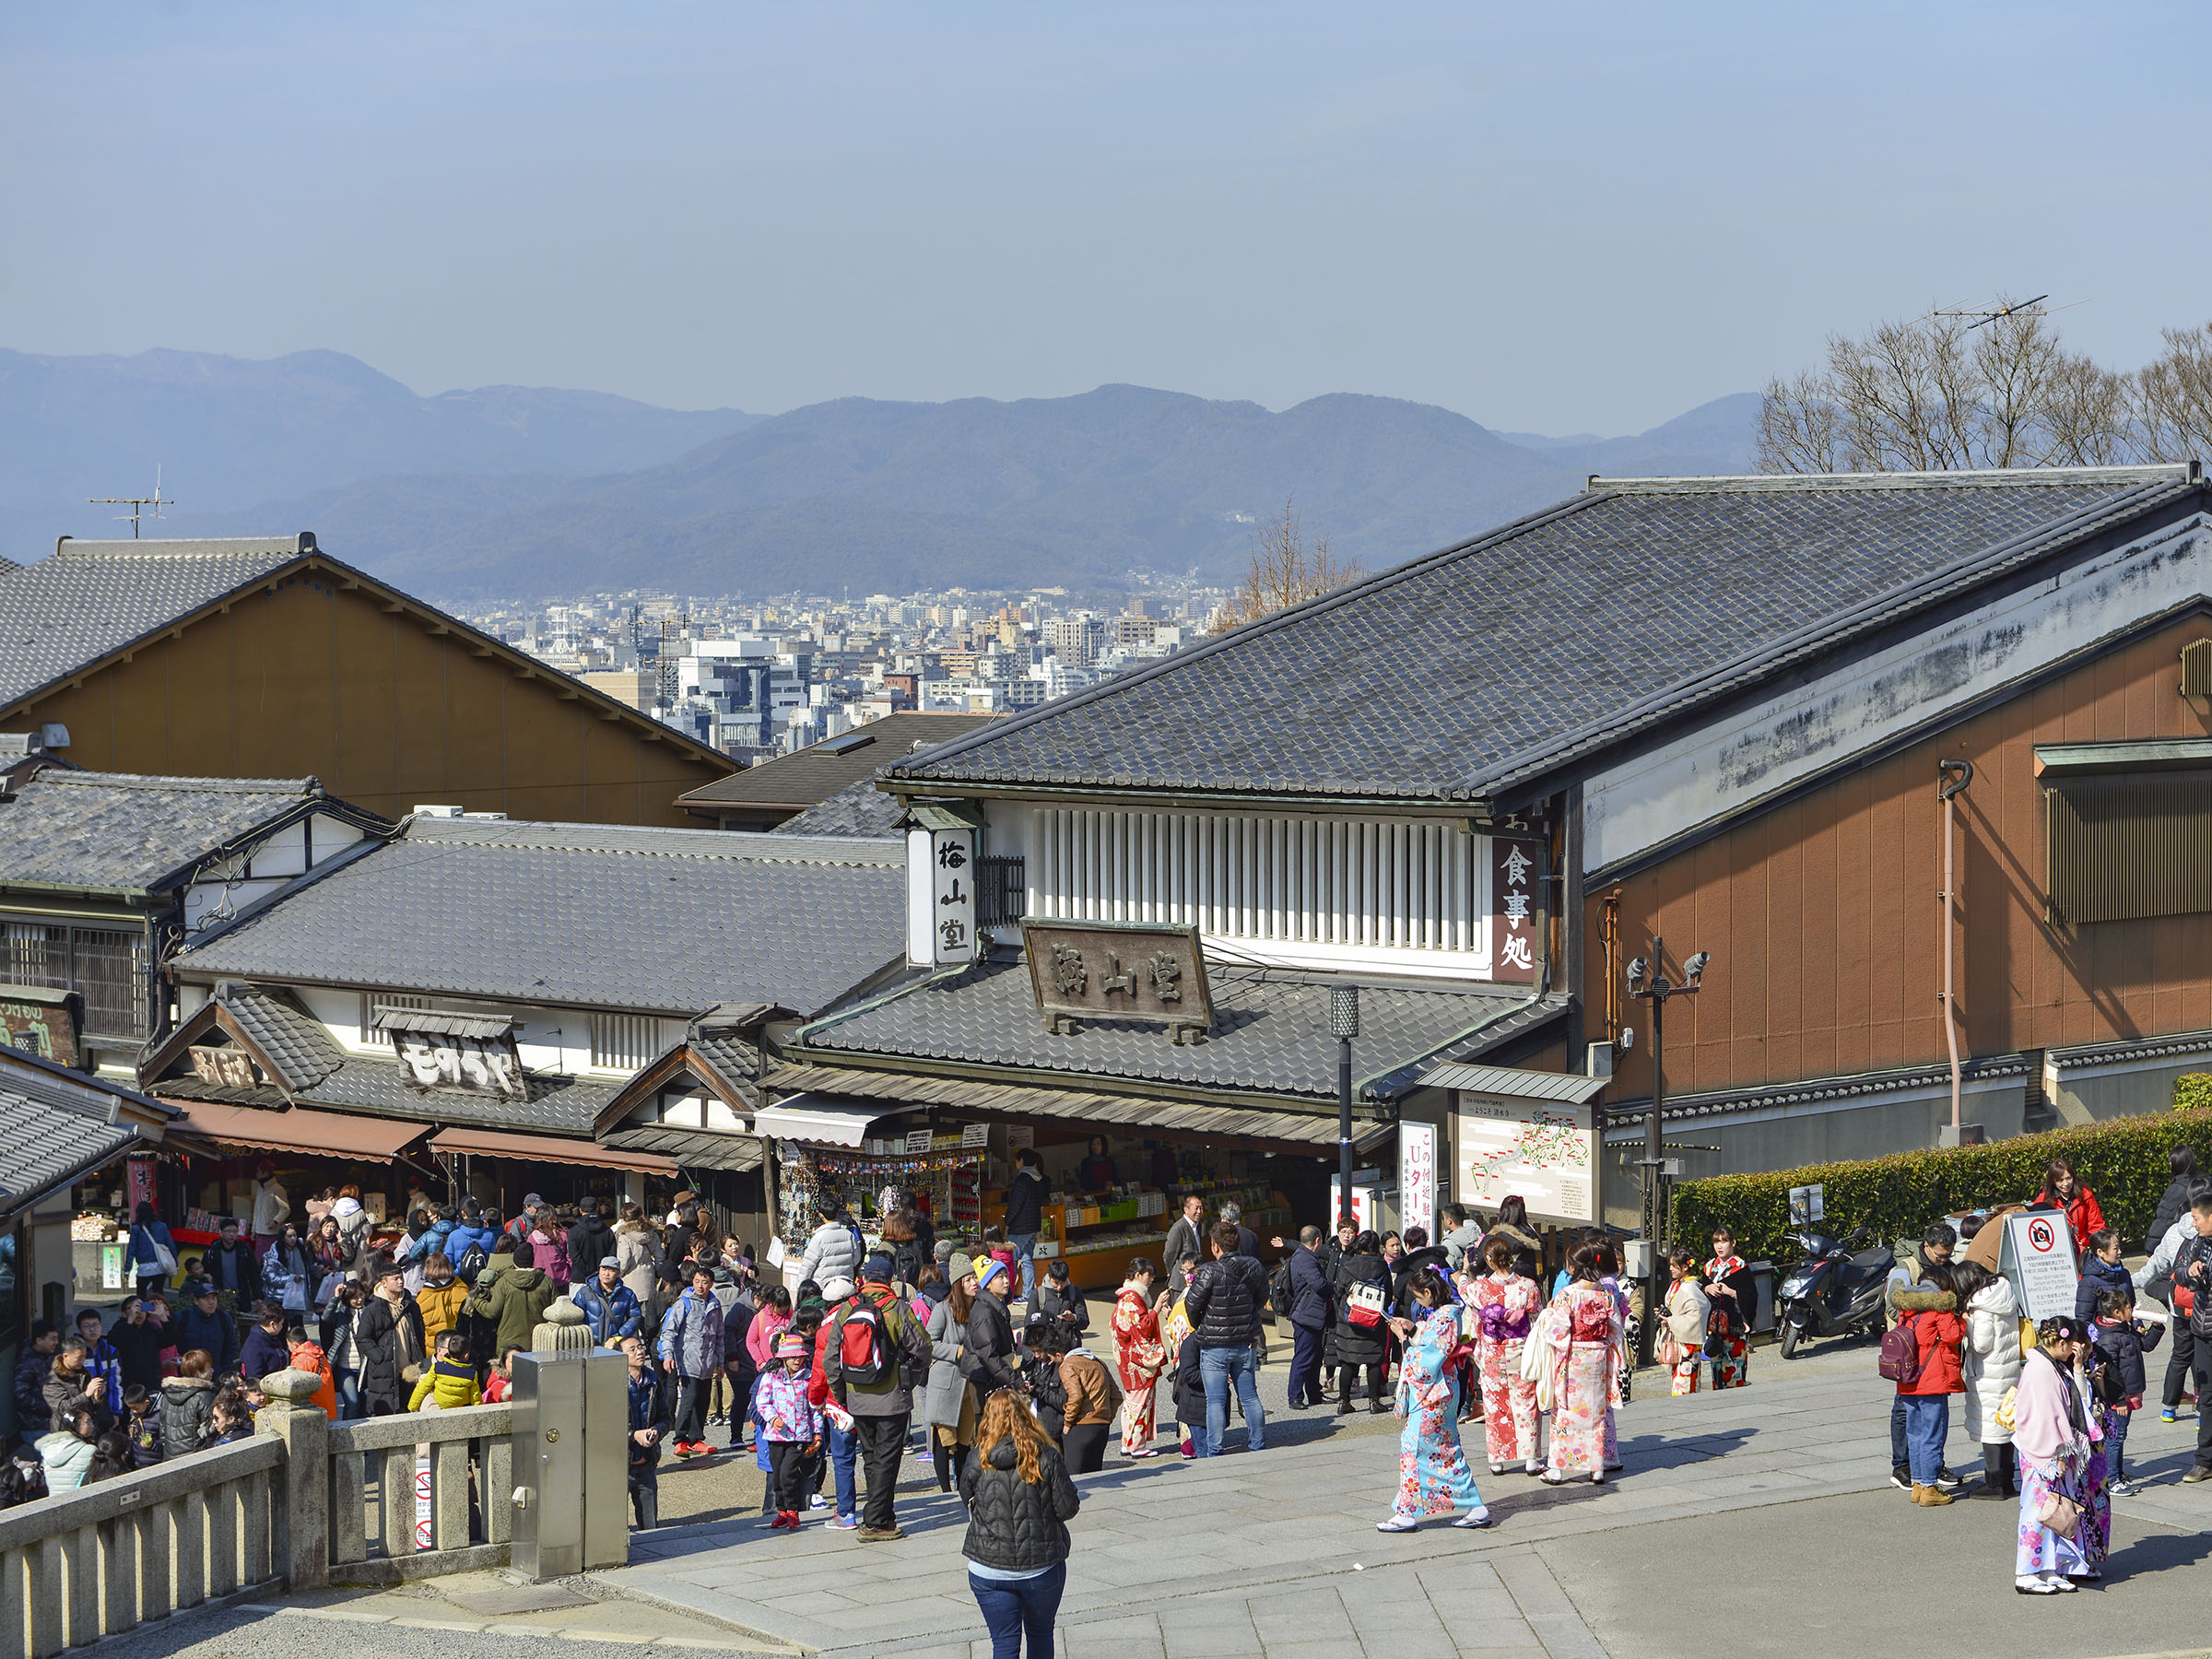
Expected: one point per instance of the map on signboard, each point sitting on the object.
(1544, 1150)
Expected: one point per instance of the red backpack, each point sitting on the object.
(863, 1346)
(1901, 1353)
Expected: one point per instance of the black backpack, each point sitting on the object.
(473, 1262)
(1281, 1294)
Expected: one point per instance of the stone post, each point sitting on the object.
(302, 1541)
(563, 1331)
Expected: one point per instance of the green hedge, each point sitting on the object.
(2123, 1162)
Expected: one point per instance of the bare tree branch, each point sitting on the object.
(1283, 573)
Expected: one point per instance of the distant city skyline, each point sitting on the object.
(1548, 222)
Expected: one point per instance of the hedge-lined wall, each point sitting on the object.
(2123, 1162)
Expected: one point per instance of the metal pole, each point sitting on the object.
(1344, 1129)
(1950, 1018)
(1655, 1270)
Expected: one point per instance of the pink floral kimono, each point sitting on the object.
(1588, 1347)
(1504, 1305)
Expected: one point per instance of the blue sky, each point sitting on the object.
(1569, 217)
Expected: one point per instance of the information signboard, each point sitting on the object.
(2037, 1256)
(1544, 1150)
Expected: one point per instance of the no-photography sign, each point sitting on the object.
(2039, 1259)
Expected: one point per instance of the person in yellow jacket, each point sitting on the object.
(450, 1379)
(439, 1299)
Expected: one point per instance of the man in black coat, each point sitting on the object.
(1026, 1195)
(1419, 1253)
(1224, 1305)
(1186, 1238)
(231, 1266)
(650, 1417)
(1309, 1319)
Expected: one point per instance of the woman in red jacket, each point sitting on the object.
(1931, 1309)
(2064, 1189)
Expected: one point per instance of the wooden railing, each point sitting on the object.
(106, 1558)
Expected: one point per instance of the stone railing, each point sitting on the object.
(108, 1558)
(307, 1502)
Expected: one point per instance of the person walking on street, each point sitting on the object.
(1733, 1296)
(511, 1297)
(1586, 1349)
(2062, 1536)
(1991, 1367)
(1931, 1310)
(1683, 1323)
(1936, 1246)
(877, 1348)
(990, 1358)
(833, 1252)
(2156, 1279)
(648, 1421)
(1019, 1501)
(1225, 1302)
(2192, 1303)
(1026, 1195)
(1138, 1357)
(1433, 1476)
(1505, 1307)
(2064, 1189)
(691, 1351)
(948, 1404)
(2117, 1341)
(610, 1311)
(790, 1426)
(1087, 1410)
(1309, 1314)
(1361, 1302)
(151, 1251)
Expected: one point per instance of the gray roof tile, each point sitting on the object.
(53, 1127)
(1478, 663)
(93, 598)
(1270, 1034)
(820, 770)
(857, 809)
(592, 915)
(127, 831)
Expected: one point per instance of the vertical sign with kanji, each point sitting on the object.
(1514, 872)
(1416, 1176)
(952, 915)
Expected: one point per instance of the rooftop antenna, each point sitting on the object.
(135, 503)
(2015, 307)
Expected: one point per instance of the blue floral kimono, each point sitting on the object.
(1433, 1476)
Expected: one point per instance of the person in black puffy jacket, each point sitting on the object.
(1358, 1343)
(1019, 1501)
(988, 1362)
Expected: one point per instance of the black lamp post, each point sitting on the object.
(1648, 983)
(1343, 1025)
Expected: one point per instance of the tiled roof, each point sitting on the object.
(820, 770)
(857, 809)
(589, 915)
(376, 1085)
(122, 830)
(1270, 1031)
(93, 598)
(54, 1127)
(1484, 661)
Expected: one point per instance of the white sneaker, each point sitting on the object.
(1398, 1523)
(818, 1501)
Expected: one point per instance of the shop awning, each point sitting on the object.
(815, 1121)
(331, 1134)
(1516, 1084)
(903, 1092)
(549, 1149)
(691, 1149)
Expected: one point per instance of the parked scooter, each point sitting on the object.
(1834, 1291)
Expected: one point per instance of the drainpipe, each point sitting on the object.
(1951, 780)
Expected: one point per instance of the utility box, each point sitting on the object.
(571, 1496)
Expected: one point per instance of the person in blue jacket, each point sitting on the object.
(470, 1229)
(149, 1239)
(609, 1307)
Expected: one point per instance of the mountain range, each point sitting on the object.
(525, 493)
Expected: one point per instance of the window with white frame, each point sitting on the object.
(622, 1042)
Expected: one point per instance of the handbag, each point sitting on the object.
(2059, 1513)
(165, 1258)
(1364, 1305)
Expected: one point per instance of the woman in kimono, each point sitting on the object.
(1434, 1477)
(1734, 1299)
(1174, 1326)
(1682, 1334)
(1587, 1344)
(1137, 1357)
(1504, 1305)
(2055, 1435)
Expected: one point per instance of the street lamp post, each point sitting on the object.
(1648, 983)
(1343, 1025)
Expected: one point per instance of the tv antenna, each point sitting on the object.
(138, 504)
(2007, 307)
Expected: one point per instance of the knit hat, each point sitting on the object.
(958, 1267)
(837, 1289)
(989, 1268)
(791, 1348)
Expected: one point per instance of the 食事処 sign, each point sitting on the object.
(1111, 971)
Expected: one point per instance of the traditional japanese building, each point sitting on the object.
(266, 657)
(1713, 710)
(570, 1009)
